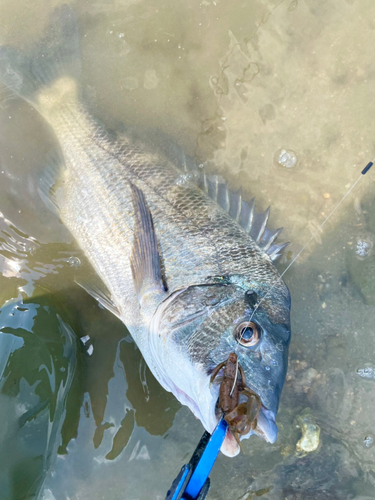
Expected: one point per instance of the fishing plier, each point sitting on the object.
(193, 483)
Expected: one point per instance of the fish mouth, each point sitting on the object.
(202, 399)
(206, 410)
(266, 429)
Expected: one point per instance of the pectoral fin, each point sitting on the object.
(145, 259)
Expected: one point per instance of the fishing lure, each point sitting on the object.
(240, 417)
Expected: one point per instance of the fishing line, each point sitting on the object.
(364, 171)
(235, 378)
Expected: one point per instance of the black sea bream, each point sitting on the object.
(185, 262)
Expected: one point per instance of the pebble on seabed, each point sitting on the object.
(368, 441)
(310, 432)
(285, 158)
(368, 372)
(364, 247)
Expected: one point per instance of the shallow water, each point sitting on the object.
(232, 84)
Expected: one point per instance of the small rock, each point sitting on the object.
(364, 248)
(368, 441)
(368, 372)
(310, 432)
(285, 158)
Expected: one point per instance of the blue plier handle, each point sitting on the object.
(193, 482)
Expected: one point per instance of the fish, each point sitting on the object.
(186, 264)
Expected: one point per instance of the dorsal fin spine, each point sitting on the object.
(244, 213)
(264, 224)
(272, 238)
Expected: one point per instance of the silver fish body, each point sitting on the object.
(208, 262)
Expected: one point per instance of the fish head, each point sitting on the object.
(198, 327)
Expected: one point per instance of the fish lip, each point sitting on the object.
(266, 426)
(266, 429)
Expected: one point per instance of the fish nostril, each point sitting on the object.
(251, 297)
(258, 355)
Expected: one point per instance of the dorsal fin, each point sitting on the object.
(241, 211)
(244, 213)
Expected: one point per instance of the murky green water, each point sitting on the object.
(232, 83)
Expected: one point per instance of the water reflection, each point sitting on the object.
(38, 362)
(155, 408)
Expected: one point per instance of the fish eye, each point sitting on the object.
(247, 333)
